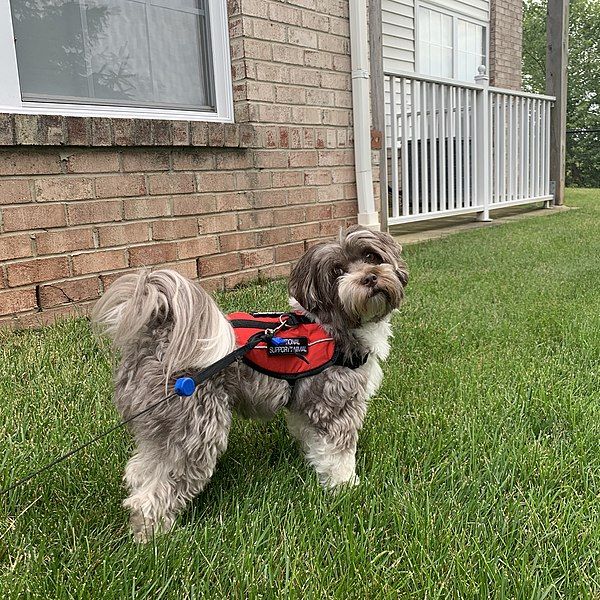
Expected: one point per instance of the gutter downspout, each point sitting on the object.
(361, 114)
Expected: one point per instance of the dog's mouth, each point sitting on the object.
(376, 291)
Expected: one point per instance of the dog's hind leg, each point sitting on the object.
(164, 475)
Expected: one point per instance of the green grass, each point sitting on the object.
(479, 459)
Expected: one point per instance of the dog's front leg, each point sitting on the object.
(331, 450)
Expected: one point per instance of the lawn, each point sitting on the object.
(479, 459)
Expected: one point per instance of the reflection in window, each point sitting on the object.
(152, 53)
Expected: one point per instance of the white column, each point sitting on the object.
(367, 215)
(483, 158)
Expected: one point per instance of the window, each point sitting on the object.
(136, 58)
(449, 46)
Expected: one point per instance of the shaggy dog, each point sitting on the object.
(163, 324)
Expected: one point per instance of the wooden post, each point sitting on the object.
(556, 85)
(378, 102)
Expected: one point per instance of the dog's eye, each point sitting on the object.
(372, 257)
(338, 271)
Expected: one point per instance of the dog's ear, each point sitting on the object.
(313, 277)
(402, 274)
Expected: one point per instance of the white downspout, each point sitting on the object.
(359, 51)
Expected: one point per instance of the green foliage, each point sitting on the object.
(583, 103)
(479, 461)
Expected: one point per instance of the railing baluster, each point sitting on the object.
(451, 162)
(460, 201)
(404, 148)
(434, 204)
(526, 135)
(512, 171)
(424, 161)
(414, 148)
(497, 133)
(467, 148)
(394, 145)
(443, 206)
(547, 152)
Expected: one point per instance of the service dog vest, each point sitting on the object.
(298, 347)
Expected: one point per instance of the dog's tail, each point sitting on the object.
(169, 309)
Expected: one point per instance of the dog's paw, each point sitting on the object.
(336, 485)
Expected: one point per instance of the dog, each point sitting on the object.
(161, 324)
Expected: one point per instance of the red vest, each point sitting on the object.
(297, 349)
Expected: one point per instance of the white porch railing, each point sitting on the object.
(456, 148)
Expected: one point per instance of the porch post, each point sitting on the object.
(484, 154)
(556, 85)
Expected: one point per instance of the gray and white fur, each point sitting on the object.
(163, 324)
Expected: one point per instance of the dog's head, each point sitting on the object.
(356, 280)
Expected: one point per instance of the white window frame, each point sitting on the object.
(10, 89)
(455, 17)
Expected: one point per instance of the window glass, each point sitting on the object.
(146, 53)
(438, 33)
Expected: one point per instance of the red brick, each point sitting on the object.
(120, 185)
(41, 269)
(237, 279)
(33, 217)
(271, 159)
(237, 241)
(306, 231)
(215, 182)
(213, 284)
(289, 252)
(348, 208)
(180, 133)
(194, 159)
(64, 240)
(317, 177)
(255, 219)
(15, 246)
(145, 160)
(92, 161)
(96, 262)
(7, 129)
(257, 258)
(252, 180)
(63, 188)
(288, 178)
(171, 183)
(101, 131)
(102, 211)
(302, 195)
(286, 216)
(234, 159)
(270, 198)
(64, 292)
(187, 268)
(217, 223)
(13, 191)
(27, 162)
(196, 204)
(219, 263)
(78, 131)
(318, 212)
(273, 236)
(235, 201)
(303, 158)
(197, 247)
(144, 208)
(152, 254)
(15, 301)
(331, 228)
(275, 271)
(122, 235)
(173, 229)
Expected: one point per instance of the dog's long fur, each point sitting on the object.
(163, 324)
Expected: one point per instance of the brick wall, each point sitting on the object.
(506, 43)
(85, 200)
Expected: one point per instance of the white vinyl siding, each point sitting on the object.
(398, 17)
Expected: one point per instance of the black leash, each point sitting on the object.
(184, 390)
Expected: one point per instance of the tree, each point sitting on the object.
(583, 96)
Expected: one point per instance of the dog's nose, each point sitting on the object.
(370, 280)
